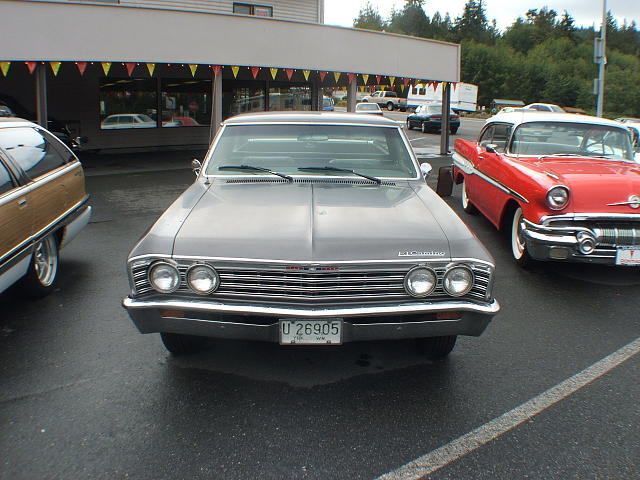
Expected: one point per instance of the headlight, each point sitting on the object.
(458, 281)
(202, 279)
(420, 281)
(164, 277)
(558, 197)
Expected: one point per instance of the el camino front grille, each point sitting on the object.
(344, 285)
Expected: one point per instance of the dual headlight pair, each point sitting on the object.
(201, 278)
(421, 281)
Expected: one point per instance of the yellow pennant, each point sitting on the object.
(336, 75)
(106, 66)
(365, 78)
(235, 71)
(4, 66)
(193, 68)
(55, 66)
(402, 88)
(274, 72)
(151, 67)
(306, 74)
(392, 80)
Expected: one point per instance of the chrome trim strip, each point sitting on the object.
(590, 216)
(552, 175)
(215, 307)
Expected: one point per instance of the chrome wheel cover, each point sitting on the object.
(517, 243)
(45, 261)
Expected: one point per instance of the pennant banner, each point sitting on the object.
(406, 81)
(322, 75)
(216, 69)
(130, 66)
(365, 78)
(402, 87)
(274, 72)
(255, 71)
(193, 67)
(106, 66)
(31, 66)
(306, 74)
(151, 68)
(455, 85)
(81, 67)
(235, 71)
(4, 66)
(55, 66)
(350, 76)
(378, 78)
(336, 76)
(289, 72)
(392, 80)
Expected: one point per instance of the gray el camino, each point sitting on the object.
(310, 228)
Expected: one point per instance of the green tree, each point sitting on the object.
(369, 18)
(411, 20)
(472, 25)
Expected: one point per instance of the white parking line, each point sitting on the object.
(420, 138)
(461, 446)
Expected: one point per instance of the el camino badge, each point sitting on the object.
(418, 253)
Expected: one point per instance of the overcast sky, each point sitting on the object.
(585, 12)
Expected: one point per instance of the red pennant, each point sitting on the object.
(322, 75)
(406, 81)
(82, 66)
(289, 72)
(351, 76)
(378, 77)
(454, 86)
(130, 66)
(31, 66)
(255, 71)
(216, 69)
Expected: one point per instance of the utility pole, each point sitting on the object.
(601, 58)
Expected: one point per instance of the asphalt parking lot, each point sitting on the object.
(83, 395)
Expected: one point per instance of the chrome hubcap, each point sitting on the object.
(45, 261)
(517, 242)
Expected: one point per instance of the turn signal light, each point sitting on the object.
(447, 315)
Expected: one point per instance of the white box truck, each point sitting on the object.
(464, 97)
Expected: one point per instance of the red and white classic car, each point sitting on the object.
(565, 187)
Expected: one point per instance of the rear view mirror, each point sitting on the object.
(491, 148)
(196, 166)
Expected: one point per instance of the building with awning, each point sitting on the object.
(144, 73)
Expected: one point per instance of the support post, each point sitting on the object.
(352, 95)
(316, 95)
(41, 95)
(603, 60)
(216, 104)
(446, 120)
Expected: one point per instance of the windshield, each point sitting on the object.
(368, 106)
(572, 139)
(375, 151)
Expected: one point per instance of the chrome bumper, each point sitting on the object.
(249, 322)
(80, 220)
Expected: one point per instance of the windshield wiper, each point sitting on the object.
(347, 170)
(251, 167)
(592, 155)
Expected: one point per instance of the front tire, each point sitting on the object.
(436, 348)
(390, 106)
(179, 344)
(467, 206)
(409, 127)
(42, 275)
(518, 246)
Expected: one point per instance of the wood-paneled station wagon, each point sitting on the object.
(565, 187)
(43, 205)
(310, 228)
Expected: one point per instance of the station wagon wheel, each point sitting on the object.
(43, 270)
(518, 246)
(467, 206)
(179, 344)
(436, 348)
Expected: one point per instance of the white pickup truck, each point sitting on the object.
(386, 99)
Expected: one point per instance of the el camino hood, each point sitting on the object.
(596, 183)
(310, 222)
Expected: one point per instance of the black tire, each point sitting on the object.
(42, 276)
(179, 344)
(390, 106)
(409, 127)
(467, 206)
(518, 246)
(436, 348)
(454, 130)
(364, 100)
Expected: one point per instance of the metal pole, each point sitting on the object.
(446, 109)
(216, 104)
(352, 96)
(41, 95)
(603, 60)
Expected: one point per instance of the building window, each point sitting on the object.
(186, 103)
(249, 9)
(289, 98)
(128, 103)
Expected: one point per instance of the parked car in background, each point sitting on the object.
(310, 228)
(428, 118)
(628, 120)
(386, 99)
(327, 104)
(181, 121)
(43, 205)
(544, 107)
(127, 120)
(369, 108)
(565, 187)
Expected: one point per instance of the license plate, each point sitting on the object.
(629, 256)
(310, 332)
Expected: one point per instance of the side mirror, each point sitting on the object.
(425, 169)
(81, 140)
(196, 166)
(491, 148)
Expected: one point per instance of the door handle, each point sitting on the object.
(22, 202)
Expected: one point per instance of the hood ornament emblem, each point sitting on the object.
(633, 202)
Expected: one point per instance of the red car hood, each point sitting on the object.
(596, 183)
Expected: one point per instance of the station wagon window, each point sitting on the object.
(6, 184)
(30, 150)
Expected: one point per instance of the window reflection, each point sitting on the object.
(186, 103)
(289, 98)
(128, 103)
